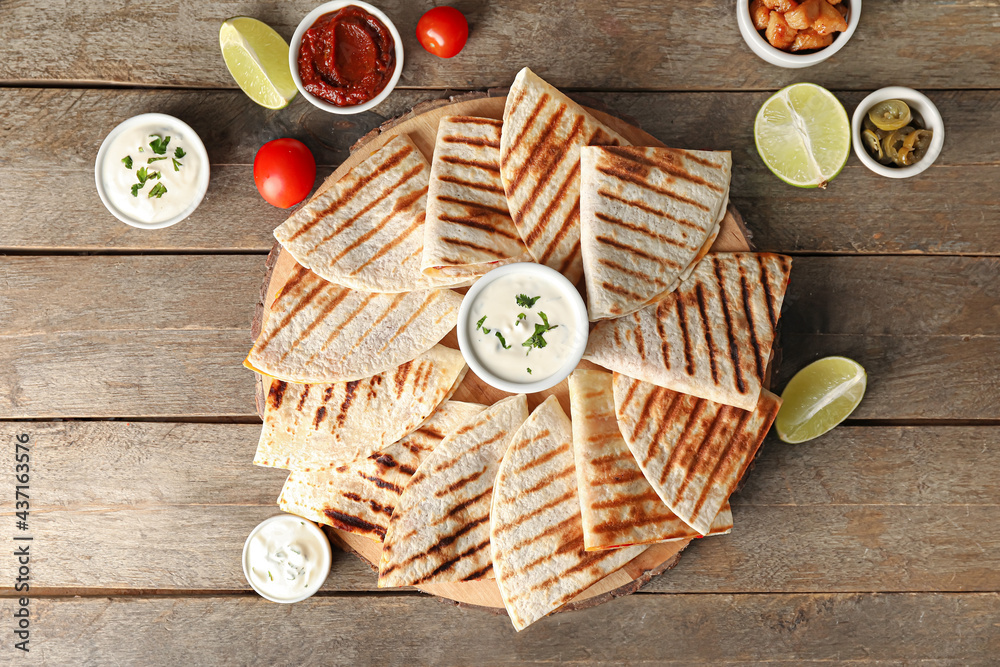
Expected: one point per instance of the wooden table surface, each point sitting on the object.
(121, 349)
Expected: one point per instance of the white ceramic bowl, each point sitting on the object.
(179, 129)
(921, 106)
(296, 43)
(541, 272)
(762, 48)
(325, 557)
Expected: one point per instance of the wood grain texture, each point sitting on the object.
(936, 629)
(168, 506)
(639, 44)
(952, 208)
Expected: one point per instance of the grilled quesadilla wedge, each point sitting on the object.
(468, 229)
(692, 451)
(619, 506)
(320, 332)
(359, 497)
(543, 132)
(645, 214)
(536, 532)
(440, 529)
(320, 426)
(366, 231)
(711, 337)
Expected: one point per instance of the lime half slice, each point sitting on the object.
(803, 135)
(819, 397)
(257, 57)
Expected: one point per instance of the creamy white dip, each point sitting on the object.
(176, 173)
(524, 341)
(284, 558)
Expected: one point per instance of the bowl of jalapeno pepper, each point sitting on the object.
(897, 132)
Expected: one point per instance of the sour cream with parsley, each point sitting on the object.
(152, 170)
(525, 324)
(286, 558)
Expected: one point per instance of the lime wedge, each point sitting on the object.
(257, 57)
(803, 135)
(819, 397)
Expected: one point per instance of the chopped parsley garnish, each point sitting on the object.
(158, 191)
(479, 324)
(538, 338)
(143, 175)
(520, 316)
(177, 165)
(159, 144)
(502, 341)
(179, 152)
(529, 371)
(526, 301)
(135, 189)
(127, 161)
(154, 159)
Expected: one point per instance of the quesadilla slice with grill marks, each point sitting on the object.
(440, 529)
(359, 497)
(320, 332)
(692, 451)
(366, 231)
(320, 426)
(543, 132)
(619, 506)
(468, 230)
(536, 531)
(711, 337)
(646, 214)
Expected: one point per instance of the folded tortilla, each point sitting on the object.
(320, 332)
(711, 337)
(320, 426)
(440, 529)
(536, 530)
(645, 215)
(619, 506)
(692, 451)
(543, 132)
(366, 231)
(359, 497)
(468, 230)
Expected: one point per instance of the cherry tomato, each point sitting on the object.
(443, 31)
(284, 171)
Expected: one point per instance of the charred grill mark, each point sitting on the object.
(617, 338)
(475, 120)
(629, 393)
(619, 476)
(688, 155)
(485, 187)
(693, 417)
(353, 524)
(538, 510)
(474, 205)
(475, 164)
(427, 301)
(682, 321)
(607, 240)
(714, 480)
(667, 417)
(472, 246)
(381, 483)
(548, 155)
(533, 151)
(330, 306)
(465, 504)
(388, 165)
(629, 177)
(448, 564)
(528, 123)
(384, 461)
(375, 381)
(400, 377)
(667, 164)
(640, 347)
(572, 219)
(479, 574)
(697, 455)
(387, 247)
(349, 391)
(621, 291)
(772, 317)
(647, 411)
(664, 345)
(565, 472)
(632, 273)
(303, 397)
(473, 141)
(460, 484)
(647, 496)
(376, 507)
(320, 416)
(645, 232)
(518, 446)
(609, 459)
(398, 299)
(707, 330)
(602, 138)
(748, 311)
(734, 352)
(480, 221)
(296, 309)
(570, 258)
(545, 458)
(650, 209)
(276, 394)
(337, 330)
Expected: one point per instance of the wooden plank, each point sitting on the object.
(634, 45)
(861, 509)
(952, 208)
(166, 335)
(937, 629)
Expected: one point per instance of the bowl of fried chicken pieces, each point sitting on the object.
(795, 34)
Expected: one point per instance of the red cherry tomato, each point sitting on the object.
(443, 31)
(284, 171)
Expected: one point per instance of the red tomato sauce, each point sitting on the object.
(347, 57)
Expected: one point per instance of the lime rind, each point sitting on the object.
(803, 135)
(819, 397)
(257, 59)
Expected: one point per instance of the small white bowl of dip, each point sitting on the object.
(789, 59)
(925, 114)
(186, 182)
(492, 332)
(286, 558)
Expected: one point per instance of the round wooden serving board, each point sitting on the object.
(485, 593)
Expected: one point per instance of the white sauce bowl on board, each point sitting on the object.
(759, 45)
(296, 43)
(274, 533)
(569, 344)
(921, 106)
(181, 135)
